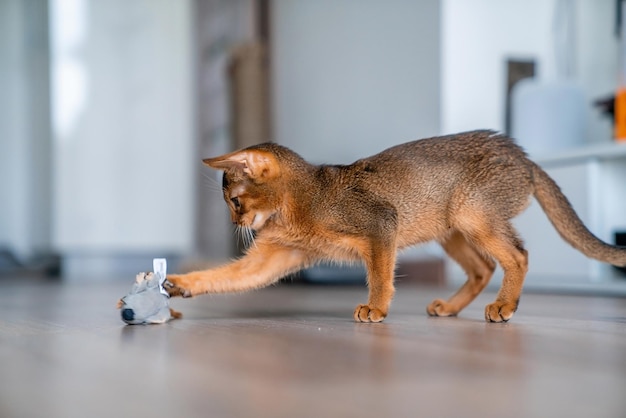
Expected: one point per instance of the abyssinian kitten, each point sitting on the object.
(461, 190)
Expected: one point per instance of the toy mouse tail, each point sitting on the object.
(175, 314)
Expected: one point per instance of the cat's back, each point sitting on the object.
(463, 147)
(446, 159)
(430, 171)
(423, 182)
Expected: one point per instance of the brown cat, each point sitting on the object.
(460, 190)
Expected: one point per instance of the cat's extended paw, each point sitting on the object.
(440, 307)
(500, 311)
(365, 313)
(176, 285)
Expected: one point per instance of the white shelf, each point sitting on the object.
(609, 151)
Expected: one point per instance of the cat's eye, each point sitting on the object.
(236, 202)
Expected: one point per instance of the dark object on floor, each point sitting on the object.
(429, 272)
(46, 264)
(424, 272)
(327, 273)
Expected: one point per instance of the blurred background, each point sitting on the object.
(108, 107)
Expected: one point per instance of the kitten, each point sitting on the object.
(460, 190)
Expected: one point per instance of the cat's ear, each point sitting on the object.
(254, 163)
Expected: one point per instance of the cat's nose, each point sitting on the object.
(128, 314)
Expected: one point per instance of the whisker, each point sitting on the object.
(241, 238)
(241, 234)
(240, 242)
(211, 187)
(251, 237)
(211, 179)
(210, 182)
(248, 237)
(245, 235)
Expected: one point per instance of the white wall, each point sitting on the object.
(479, 35)
(24, 127)
(362, 72)
(13, 157)
(351, 78)
(597, 60)
(122, 118)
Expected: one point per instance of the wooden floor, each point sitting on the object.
(294, 351)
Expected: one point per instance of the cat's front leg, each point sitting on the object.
(263, 265)
(366, 313)
(380, 270)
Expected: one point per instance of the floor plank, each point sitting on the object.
(294, 351)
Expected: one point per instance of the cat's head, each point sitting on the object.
(251, 183)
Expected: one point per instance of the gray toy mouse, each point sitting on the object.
(148, 302)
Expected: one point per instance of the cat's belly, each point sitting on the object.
(421, 228)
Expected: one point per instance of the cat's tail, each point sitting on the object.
(568, 224)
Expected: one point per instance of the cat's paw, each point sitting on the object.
(176, 285)
(365, 313)
(499, 311)
(439, 307)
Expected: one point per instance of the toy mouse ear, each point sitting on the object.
(254, 163)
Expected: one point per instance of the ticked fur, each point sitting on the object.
(459, 190)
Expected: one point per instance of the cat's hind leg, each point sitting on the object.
(505, 246)
(478, 267)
